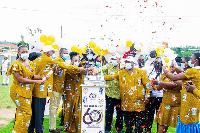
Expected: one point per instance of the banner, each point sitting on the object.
(93, 109)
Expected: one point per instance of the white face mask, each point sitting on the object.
(128, 66)
(182, 65)
(90, 56)
(114, 62)
(24, 56)
(65, 56)
(76, 63)
(190, 64)
(53, 56)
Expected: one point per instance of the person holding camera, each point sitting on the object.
(170, 108)
(156, 95)
(190, 96)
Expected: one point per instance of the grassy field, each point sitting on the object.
(9, 127)
(6, 102)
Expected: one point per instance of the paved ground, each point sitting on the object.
(6, 115)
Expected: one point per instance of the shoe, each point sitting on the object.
(6, 84)
(3, 84)
(54, 131)
(120, 132)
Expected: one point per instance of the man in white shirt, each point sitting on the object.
(4, 67)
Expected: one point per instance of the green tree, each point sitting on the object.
(24, 43)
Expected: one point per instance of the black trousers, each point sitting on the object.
(110, 104)
(134, 118)
(154, 104)
(38, 107)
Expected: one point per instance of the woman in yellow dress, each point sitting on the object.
(72, 97)
(169, 110)
(21, 89)
(190, 98)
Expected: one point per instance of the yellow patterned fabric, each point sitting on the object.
(24, 90)
(58, 77)
(134, 86)
(72, 102)
(113, 86)
(43, 65)
(170, 108)
(23, 113)
(190, 103)
(21, 95)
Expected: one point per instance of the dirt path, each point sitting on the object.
(6, 115)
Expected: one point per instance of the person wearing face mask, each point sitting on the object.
(184, 63)
(141, 61)
(113, 95)
(4, 67)
(24, 78)
(190, 100)
(156, 95)
(44, 65)
(58, 86)
(73, 97)
(135, 92)
(100, 61)
(170, 108)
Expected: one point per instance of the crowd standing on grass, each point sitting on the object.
(136, 90)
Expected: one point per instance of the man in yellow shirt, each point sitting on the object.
(58, 86)
(43, 65)
(134, 92)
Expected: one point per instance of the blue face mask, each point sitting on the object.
(98, 64)
(90, 56)
(182, 65)
(190, 64)
(114, 62)
(65, 56)
(53, 56)
(128, 66)
(76, 63)
(24, 56)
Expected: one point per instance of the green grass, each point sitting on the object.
(9, 127)
(5, 100)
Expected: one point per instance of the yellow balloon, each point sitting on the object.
(81, 51)
(166, 60)
(43, 38)
(103, 52)
(96, 49)
(106, 51)
(159, 51)
(92, 44)
(48, 43)
(98, 52)
(74, 48)
(56, 47)
(139, 50)
(51, 38)
(129, 43)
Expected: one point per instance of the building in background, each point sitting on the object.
(10, 50)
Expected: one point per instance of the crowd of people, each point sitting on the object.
(134, 89)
